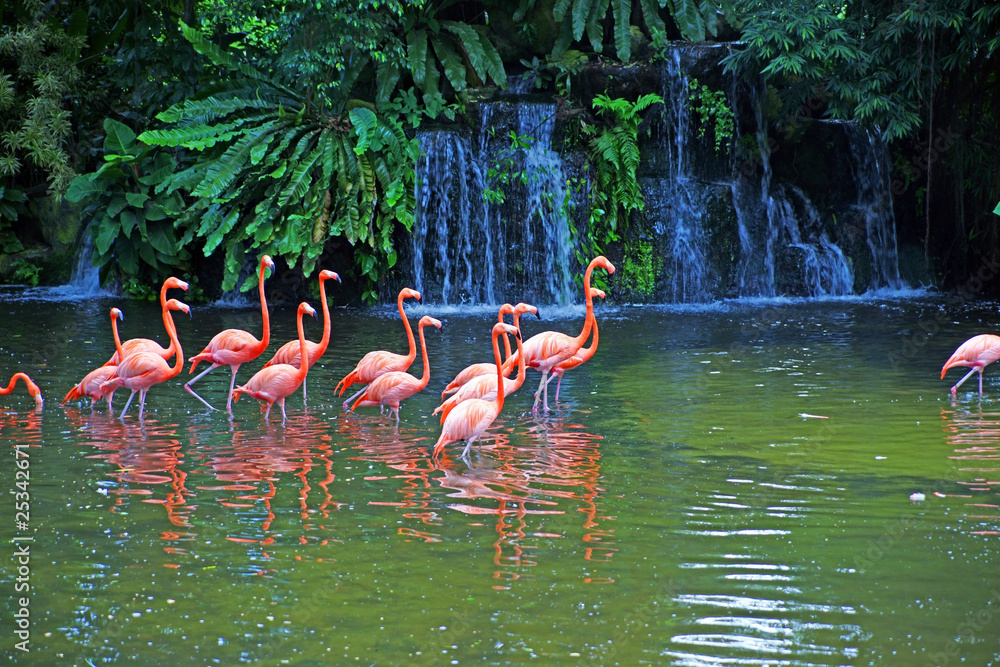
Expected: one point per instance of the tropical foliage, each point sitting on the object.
(275, 175)
(615, 151)
(225, 129)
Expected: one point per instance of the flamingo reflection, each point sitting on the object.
(974, 433)
(145, 455)
(257, 462)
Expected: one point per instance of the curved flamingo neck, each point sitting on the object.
(588, 321)
(521, 369)
(266, 337)
(175, 343)
(587, 353)
(506, 341)
(426, 376)
(303, 357)
(409, 331)
(118, 340)
(168, 321)
(498, 401)
(325, 340)
(10, 386)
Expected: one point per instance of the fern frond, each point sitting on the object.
(623, 28)
(416, 52)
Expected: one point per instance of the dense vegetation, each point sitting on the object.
(196, 133)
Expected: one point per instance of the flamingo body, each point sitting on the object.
(584, 354)
(485, 368)
(388, 389)
(33, 389)
(134, 345)
(484, 387)
(289, 352)
(546, 350)
(470, 419)
(379, 362)
(92, 383)
(977, 353)
(234, 347)
(274, 383)
(140, 371)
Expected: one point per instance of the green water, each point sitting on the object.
(727, 485)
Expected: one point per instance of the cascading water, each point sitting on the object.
(874, 204)
(85, 278)
(453, 252)
(469, 251)
(681, 194)
(825, 269)
(749, 221)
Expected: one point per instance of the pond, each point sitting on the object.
(734, 484)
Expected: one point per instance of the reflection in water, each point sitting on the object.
(256, 461)
(147, 453)
(554, 466)
(975, 435)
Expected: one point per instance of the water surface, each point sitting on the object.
(723, 485)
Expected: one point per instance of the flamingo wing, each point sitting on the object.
(977, 352)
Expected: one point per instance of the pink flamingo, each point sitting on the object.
(546, 350)
(485, 368)
(583, 354)
(978, 352)
(33, 389)
(471, 418)
(388, 389)
(141, 370)
(378, 362)
(276, 382)
(234, 347)
(137, 344)
(289, 352)
(484, 387)
(91, 383)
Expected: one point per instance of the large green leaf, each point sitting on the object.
(623, 28)
(119, 139)
(85, 186)
(454, 70)
(416, 51)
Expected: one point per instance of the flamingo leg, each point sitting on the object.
(303, 391)
(267, 413)
(468, 445)
(127, 403)
(954, 389)
(347, 403)
(188, 389)
(232, 385)
(142, 403)
(283, 415)
(538, 393)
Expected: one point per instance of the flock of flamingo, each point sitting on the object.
(470, 403)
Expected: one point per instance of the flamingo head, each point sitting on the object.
(506, 309)
(428, 320)
(266, 262)
(522, 308)
(328, 275)
(602, 262)
(596, 292)
(501, 328)
(407, 293)
(305, 308)
(35, 393)
(174, 304)
(117, 314)
(175, 283)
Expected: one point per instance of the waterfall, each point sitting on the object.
(543, 226)
(676, 196)
(466, 250)
(874, 204)
(825, 270)
(453, 250)
(85, 278)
